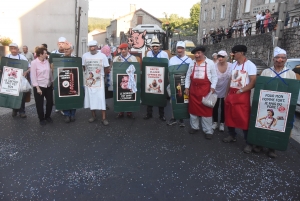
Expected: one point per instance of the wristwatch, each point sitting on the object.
(241, 91)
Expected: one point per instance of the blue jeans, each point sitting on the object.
(70, 113)
(232, 132)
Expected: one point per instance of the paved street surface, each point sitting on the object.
(135, 160)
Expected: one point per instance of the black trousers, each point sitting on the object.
(47, 93)
(216, 111)
(22, 108)
(161, 111)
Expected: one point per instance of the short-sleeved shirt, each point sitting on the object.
(29, 56)
(223, 79)
(98, 57)
(249, 67)
(19, 57)
(175, 60)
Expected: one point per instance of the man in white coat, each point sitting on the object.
(95, 66)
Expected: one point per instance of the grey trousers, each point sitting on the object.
(206, 123)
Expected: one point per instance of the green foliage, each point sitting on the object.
(185, 26)
(97, 23)
(5, 41)
(194, 16)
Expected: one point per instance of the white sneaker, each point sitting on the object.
(215, 125)
(221, 128)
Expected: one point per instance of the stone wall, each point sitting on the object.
(261, 46)
(176, 38)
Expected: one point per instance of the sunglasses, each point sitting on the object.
(220, 56)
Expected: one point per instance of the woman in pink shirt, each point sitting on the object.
(42, 80)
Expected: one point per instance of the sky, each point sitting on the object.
(117, 8)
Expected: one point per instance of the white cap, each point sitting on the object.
(180, 44)
(223, 53)
(13, 45)
(92, 43)
(278, 50)
(62, 39)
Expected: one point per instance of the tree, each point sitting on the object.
(97, 23)
(194, 16)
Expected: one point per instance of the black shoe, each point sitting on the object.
(49, 120)
(162, 118)
(43, 122)
(14, 113)
(148, 116)
(208, 136)
(67, 119)
(193, 131)
(72, 119)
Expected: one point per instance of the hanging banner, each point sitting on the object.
(93, 72)
(125, 100)
(68, 82)
(68, 85)
(11, 81)
(11, 98)
(273, 109)
(177, 75)
(154, 79)
(272, 112)
(123, 92)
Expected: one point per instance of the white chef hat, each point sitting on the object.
(62, 39)
(92, 43)
(278, 50)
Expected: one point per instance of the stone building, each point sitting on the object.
(215, 14)
(120, 26)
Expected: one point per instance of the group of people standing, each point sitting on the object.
(231, 82)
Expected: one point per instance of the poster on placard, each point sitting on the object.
(11, 81)
(238, 79)
(273, 110)
(93, 68)
(179, 83)
(154, 82)
(123, 93)
(68, 81)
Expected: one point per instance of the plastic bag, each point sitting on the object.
(210, 100)
(169, 90)
(25, 85)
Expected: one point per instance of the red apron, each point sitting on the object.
(237, 108)
(198, 89)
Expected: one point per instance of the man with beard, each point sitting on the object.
(156, 53)
(97, 63)
(201, 79)
(154, 87)
(179, 59)
(125, 56)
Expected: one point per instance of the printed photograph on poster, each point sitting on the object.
(238, 79)
(68, 81)
(179, 83)
(123, 93)
(273, 110)
(11, 81)
(154, 80)
(93, 72)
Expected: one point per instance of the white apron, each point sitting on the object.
(95, 97)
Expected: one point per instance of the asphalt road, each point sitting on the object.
(135, 160)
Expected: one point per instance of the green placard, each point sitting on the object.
(68, 85)
(154, 81)
(54, 55)
(177, 74)
(9, 101)
(273, 109)
(124, 99)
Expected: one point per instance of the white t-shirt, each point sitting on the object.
(175, 60)
(99, 57)
(223, 79)
(19, 57)
(249, 67)
(161, 54)
(258, 17)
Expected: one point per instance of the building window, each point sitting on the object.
(247, 6)
(139, 20)
(213, 13)
(223, 12)
(204, 15)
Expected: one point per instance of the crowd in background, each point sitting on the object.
(265, 22)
